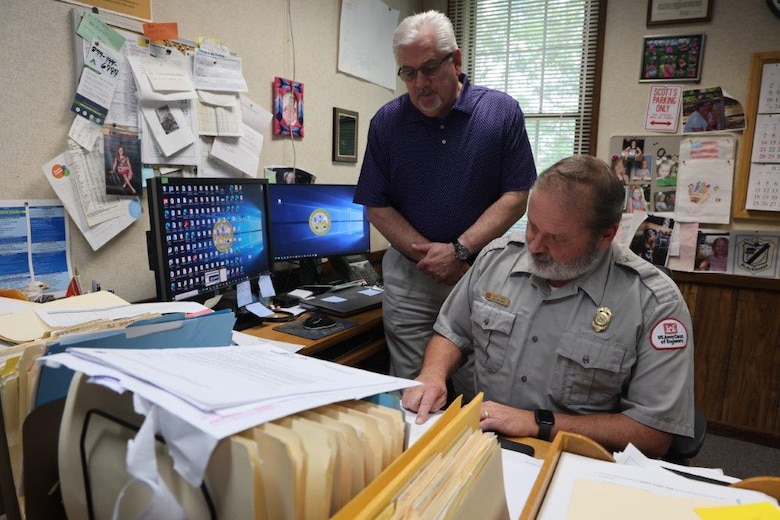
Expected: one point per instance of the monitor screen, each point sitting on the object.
(317, 220)
(207, 235)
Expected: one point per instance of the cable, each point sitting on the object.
(292, 43)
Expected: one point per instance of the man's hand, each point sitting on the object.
(429, 397)
(507, 421)
(439, 262)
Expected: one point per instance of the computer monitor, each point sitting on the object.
(312, 221)
(207, 235)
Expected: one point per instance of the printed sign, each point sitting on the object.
(663, 108)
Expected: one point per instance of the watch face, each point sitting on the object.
(544, 417)
(461, 252)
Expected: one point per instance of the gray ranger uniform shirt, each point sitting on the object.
(538, 348)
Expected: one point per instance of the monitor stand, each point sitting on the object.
(309, 271)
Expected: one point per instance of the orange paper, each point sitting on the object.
(161, 31)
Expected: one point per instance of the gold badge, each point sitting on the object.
(497, 298)
(601, 319)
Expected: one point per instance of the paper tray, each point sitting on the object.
(581, 445)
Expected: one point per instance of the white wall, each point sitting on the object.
(37, 84)
(738, 28)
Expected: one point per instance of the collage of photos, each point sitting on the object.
(650, 177)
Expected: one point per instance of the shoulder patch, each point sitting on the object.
(669, 334)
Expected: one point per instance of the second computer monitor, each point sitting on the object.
(316, 220)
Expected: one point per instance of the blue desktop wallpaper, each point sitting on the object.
(213, 234)
(316, 220)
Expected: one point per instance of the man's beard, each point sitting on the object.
(544, 266)
(430, 105)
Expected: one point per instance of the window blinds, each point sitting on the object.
(545, 54)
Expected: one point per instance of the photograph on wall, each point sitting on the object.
(712, 251)
(710, 110)
(643, 171)
(664, 200)
(755, 253)
(288, 108)
(652, 238)
(619, 166)
(122, 160)
(638, 197)
(632, 153)
(672, 58)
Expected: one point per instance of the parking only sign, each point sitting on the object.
(663, 108)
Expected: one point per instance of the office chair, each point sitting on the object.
(685, 448)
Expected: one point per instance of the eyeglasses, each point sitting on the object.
(429, 70)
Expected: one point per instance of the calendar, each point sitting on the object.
(763, 192)
(769, 100)
(766, 139)
(764, 187)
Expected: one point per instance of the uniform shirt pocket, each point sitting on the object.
(588, 371)
(491, 330)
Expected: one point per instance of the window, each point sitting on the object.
(544, 53)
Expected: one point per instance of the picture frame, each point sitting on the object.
(345, 135)
(672, 58)
(664, 12)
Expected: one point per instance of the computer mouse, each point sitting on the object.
(318, 321)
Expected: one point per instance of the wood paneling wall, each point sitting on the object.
(736, 325)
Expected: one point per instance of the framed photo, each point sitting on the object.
(663, 12)
(345, 134)
(672, 58)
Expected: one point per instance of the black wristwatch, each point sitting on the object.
(545, 419)
(462, 252)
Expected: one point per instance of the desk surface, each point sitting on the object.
(366, 321)
(541, 448)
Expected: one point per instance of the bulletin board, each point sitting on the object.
(758, 174)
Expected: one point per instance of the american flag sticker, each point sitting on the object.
(669, 334)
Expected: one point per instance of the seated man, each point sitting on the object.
(569, 331)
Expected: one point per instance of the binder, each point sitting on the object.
(170, 330)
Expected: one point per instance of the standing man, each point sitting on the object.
(569, 331)
(447, 168)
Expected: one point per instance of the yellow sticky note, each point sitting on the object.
(757, 511)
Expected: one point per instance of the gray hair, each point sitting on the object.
(430, 24)
(569, 177)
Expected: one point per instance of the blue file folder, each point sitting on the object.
(168, 331)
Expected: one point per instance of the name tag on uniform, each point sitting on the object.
(497, 298)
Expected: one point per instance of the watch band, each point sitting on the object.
(546, 420)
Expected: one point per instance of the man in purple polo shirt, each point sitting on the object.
(447, 168)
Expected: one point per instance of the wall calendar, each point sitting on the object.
(763, 190)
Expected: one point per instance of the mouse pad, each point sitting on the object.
(296, 329)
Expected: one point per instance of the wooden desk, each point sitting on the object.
(541, 448)
(350, 346)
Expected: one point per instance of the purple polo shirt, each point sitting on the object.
(441, 175)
